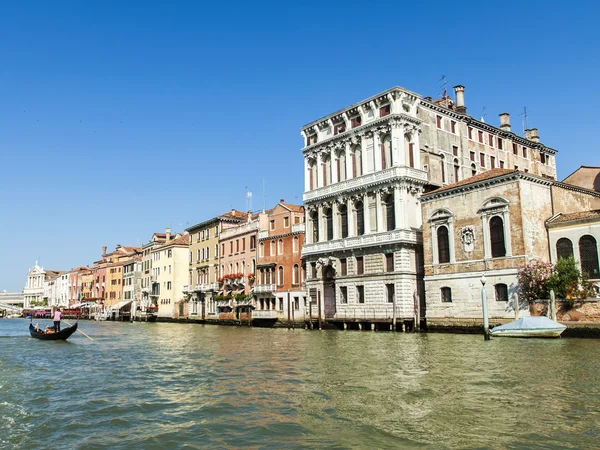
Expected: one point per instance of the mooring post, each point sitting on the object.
(394, 316)
(319, 308)
(486, 326)
(552, 305)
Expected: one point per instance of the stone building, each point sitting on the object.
(170, 270)
(132, 283)
(365, 168)
(277, 282)
(39, 289)
(492, 224)
(204, 262)
(587, 177)
(150, 289)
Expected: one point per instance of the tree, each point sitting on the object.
(566, 279)
(534, 280)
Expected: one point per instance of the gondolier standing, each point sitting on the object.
(57, 317)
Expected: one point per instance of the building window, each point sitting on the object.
(355, 121)
(472, 156)
(491, 140)
(295, 244)
(470, 132)
(501, 164)
(384, 111)
(389, 293)
(389, 262)
(456, 170)
(360, 269)
(329, 224)
(588, 255)
(501, 292)
(295, 274)
(280, 247)
(343, 266)
(360, 219)
(442, 168)
(280, 276)
(313, 270)
(390, 213)
(344, 220)
(480, 136)
(443, 245)
(286, 222)
(515, 148)
(482, 160)
(168, 285)
(343, 294)
(438, 122)
(454, 150)
(497, 237)
(272, 248)
(500, 142)
(564, 248)
(524, 152)
(272, 225)
(237, 245)
(360, 294)
(492, 162)
(453, 126)
(446, 294)
(261, 249)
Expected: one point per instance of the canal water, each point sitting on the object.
(153, 386)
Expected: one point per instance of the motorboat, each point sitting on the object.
(531, 326)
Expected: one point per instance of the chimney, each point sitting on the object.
(532, 135)
(281, 201)
(460, 99)
(103, 250)
(504, 121)
(168, 233)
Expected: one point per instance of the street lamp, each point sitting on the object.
(486, 331)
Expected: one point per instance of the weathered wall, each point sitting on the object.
(568, 200)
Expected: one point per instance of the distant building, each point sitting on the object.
(150, 291)
(39, 289)
(587, 177)
(169, 275)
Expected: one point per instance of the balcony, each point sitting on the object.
(370, 179)
(266, 314)
(298, 228)
(368, 240)
(239, 230)
(265, 288)
(207, 287)
(188, 289)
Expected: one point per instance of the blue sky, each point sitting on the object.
(118, 119)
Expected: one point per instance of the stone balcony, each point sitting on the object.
(298, 228)
(239, 230)
(370, 179)
(265, 288)
(367, 240)
(207, 287)
(188, 288)
(266, 314)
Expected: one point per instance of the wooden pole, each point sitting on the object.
(79, 330)
(486, 326)
(319, 308)
(552, 305)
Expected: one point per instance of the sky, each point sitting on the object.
(119, 119)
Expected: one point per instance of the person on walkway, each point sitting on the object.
(57, 317)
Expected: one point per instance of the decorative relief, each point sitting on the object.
(467, 237)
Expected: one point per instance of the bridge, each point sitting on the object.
(12, 302)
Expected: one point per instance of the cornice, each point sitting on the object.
(279, 236)
(359, 131)
(485, 184)
(579, 189)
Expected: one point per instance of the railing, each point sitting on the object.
(188, 288)
(298, 227)
(266, 314)
(207, 287)
(379, 177)
(265, 288)
(366, 313)
(237, 230)
(405, 236)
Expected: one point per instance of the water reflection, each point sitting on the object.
(193, 386)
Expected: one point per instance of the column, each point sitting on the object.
(377, 153)
(366, 213)
(451, 240)
(333, 165)
(398, 208)
(379, 211)
(335, 208)
(486, 238)
(398, 152)
(322, 223)
(348, 161)
(367, 153)
(507, 233)
(351, 217)
(306, 175)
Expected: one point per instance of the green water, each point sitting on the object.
(152, 386)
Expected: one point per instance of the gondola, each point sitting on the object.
(62, 335)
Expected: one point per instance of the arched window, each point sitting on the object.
(295, 244)
(390, 215)
(473, 170)
(497, 237)
(443, 168)
(446, 294)
(295, 274)
(357, 162)
(360, 219)
(443, 244)
(261, 249)
(329, 224)
(341, 166)
(272, 248)
(280, 276)
(564, 248)
(314, 218)
(344, 220)
(501, 292)
(327, 171)
(456, 170)
(312, 175)
(588, 254)
(280, 247)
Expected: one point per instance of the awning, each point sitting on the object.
(122, 304)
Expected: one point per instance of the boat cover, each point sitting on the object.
(531, 323)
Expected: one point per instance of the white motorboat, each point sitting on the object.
(533, 326)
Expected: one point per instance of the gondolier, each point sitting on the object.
(57, 317)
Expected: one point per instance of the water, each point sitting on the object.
(192, 386)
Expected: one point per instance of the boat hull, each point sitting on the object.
(62, 335)
(549, 333)
(532, 327)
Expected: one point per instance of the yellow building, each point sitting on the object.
(204, 258)
(169, 274)
(114, 277)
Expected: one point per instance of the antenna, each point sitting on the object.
(484, 113)
(443, 85)
(248, 201)
(524, 116)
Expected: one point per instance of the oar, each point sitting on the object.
(79, 330)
